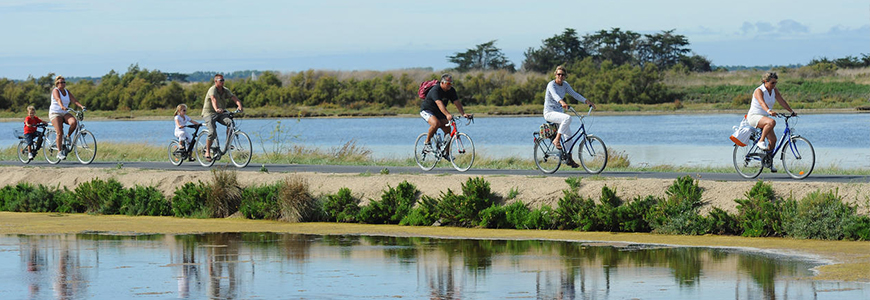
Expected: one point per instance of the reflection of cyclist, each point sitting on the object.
(214, 107)
(761, 109)
(434, 107)
(555, 103)
(58, 114)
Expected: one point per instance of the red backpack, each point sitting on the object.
(425, 86)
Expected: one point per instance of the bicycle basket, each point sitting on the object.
(18, 133)
(80, 115)
(548, 130)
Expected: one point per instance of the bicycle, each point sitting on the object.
(238, 145)
(798, 156)
(177, 155)
(83, 143)
(592, 151)
(35, 145)
(459, 148)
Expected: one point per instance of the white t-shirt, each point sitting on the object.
(55, 107)
(183, 121)
(557, 92)
(769, 99)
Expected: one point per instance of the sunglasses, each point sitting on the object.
(64, 82)
(221, 80)
(560, 74)
(772, 82)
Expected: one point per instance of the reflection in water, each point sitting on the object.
(269, 265)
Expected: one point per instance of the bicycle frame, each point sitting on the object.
(580, 133)
(231, 131)
(786, 136)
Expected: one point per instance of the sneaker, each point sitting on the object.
(762, 145)
(61, 156)
(772, 169)
(427, 148)
(30, 155)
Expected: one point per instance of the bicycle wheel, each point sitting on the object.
(86, 147)
(425, 156)
(50, 148)
(798, 158)
(547, 157)
(22, 152)
(241, 150)
(176, 157)
(592, 154)
(200, 149)
(747, 160)
(462, 152)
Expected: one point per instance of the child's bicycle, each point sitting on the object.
(797, 156)
(179, 153)
(592, 152)
(35, 145)
(457, 148)
(238, 145)
(83, 143)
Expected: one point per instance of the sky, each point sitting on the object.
(90, 38)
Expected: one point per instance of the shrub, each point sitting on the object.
(463, 210)
(759, 214)
(479, 194)
(678, 213)
(516, 215)
(189, 200)
(424, 214)
(818, 216)
(858, 228)
(144, 201)
(541, 218)
(573, 182)
(631, 214)
(98, 196)
(721, 222)
(394, 205)
(494, 217)
(341, 207)
(574, 212)
(260, 202)
(606, 212)
(24, 197)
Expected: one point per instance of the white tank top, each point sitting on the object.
(55, 107)
(769, 99)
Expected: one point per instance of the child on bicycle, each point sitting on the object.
(30, 123)
(181, 120)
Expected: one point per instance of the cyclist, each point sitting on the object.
(555, 104)
(213, 109)
(434, 110)
(30, 123)
(761, 110)
(58, 114)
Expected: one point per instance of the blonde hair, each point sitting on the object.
(58, 79)
(560, 68)
(30, 107)
(768, 76)
(179, 107)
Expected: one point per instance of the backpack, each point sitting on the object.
(425, 86)
(742, 133)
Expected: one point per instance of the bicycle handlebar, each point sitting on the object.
(470, 119)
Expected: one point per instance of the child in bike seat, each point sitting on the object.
(181, 120)
(30, 123)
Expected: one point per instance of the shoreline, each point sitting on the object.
(842, 260)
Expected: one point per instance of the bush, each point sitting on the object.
(541, 218)
(295, 201)
(818, 216)
(494, 217)
(574, 212)
(425, 214)
(463, 210)
(144, 201)
(24, 197)
(759, 214)
(858, 228)
(341, 207)
(98, 196)
(394, 205)
(189, 200)
(517, 214)
(721, 222)
(224, 194)
(606, 212)
(678, 213)
(260, 202)
(631, 214)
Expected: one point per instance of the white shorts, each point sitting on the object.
(425, 114)
(753, 119)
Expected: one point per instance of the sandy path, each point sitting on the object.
(532, 190)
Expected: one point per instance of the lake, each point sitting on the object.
(841, 140)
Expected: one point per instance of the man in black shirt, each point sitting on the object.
(434, 107)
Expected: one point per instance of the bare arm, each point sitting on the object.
(782, 102)
(459, 107)
(215, 106)
(443, 109)
(177, 123)
(72, 99)
(238, 102)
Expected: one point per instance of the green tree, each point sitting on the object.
(558, 50)
(619, 47)
(664, 49)
(485, 56)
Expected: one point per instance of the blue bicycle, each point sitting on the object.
(797, 156)
(592, 152)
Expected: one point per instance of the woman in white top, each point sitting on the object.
(58, 114)
(555, 103)
(761, 109)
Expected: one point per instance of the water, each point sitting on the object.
(841, 140)
(272, 265)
